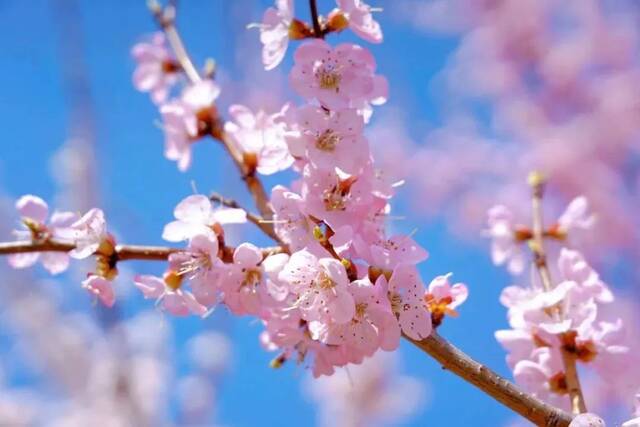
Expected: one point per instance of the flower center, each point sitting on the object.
(173, 280)
(170, 66)
(324, 282)
(558, 383)
(361, 309)
(252, 277)
(328, 78)
(327, 141)
(334, 199)
(199, 262)
(396, 302)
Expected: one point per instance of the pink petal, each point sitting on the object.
(247, 255)
(230, 216)
(342, 308)
(196, 209)
(33, 207)
(151, 286)
(175, 304)
(100, 287)
(23, 260)
(55, 262)
(193, 305)
(335, 270)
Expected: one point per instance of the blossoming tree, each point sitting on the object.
(336, 288)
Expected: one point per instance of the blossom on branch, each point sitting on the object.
(360, 20)
(157, 70)
(261, 135)
(34, 212)
(339, 77)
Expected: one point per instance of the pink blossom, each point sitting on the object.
(157, 69)
(504, 247)
(87, 233)
(404, 291)
(196, 215)
(361, 22)
(177, 139)
(321, 286)
(34, 212)
(251, 284)
(290, 222)
(373, 326)
(169, 294)
(574, 267)
(200, 264)
(576, 216)
(442, 298)
(543, 377)
(187, 119)
(274, 33)
(330, 140)
(397, 250)
(338, 78)
(261, 134)
(336, 198)
(101, 288)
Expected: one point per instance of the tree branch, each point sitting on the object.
(123, 252)
(505, 392)
(248, 174)
(536, 181)
(165, 17)
(315, 19)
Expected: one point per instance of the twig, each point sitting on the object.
(505, 392)
(260, 222)
(536, 181)
(248, 174)
(123, 252)
(166, 20)
(315, 19)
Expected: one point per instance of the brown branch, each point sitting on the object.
(315, 19)
(248, 174)
(502, 390)
(123, 252)
(536, 181)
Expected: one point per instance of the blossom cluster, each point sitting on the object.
(338, 288)
(570, 317)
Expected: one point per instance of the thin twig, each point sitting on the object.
(165, 17)
(505, 392)
(536, 181)
(166, 21)
(253, 183)
(315, 19)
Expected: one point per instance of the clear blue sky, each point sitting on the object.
(138, 187)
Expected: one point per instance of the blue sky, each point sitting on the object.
(138, 188)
